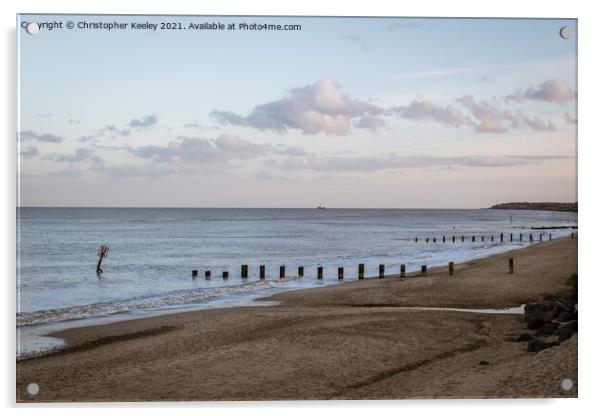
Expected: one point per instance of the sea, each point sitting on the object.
(152, 253)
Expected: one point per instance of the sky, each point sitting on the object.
(345, 112)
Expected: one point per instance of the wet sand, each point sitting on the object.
(349, 341)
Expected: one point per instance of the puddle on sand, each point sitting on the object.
(519, 310)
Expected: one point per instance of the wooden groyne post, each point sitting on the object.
(511, 237)
(341, 273)
(511, 265)
(381, 271)
(451, 268)
(520, 237)
(300, 271)
(207, 274)
(195, 273)
(225, 275)
(244, 271)
(262, 272)
(473, 238)
(540, 237)
(282, 271)
(360, 271)
(444, 239)
(402, 271)
(423, 270)
(320, 272)
(502, 237)
(453, 238)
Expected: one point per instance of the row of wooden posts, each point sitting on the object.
(244, 271)
(475, 238)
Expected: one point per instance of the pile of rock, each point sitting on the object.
(552, 322)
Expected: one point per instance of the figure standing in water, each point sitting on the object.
(103, 252)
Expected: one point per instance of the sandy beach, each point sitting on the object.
(357, 340)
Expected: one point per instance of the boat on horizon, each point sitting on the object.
(321, 207)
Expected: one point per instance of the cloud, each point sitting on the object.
(80, 155)
(428, 111)
(186, 150)
(393, 161)
(74, 121)
(321, 107)
(491, 119)
(569, 119)
(193, 125)
(356, 41)
(552, 90)
(41, 137)
(28, 152)
(324, 108)
(144, 122)
(369, 122)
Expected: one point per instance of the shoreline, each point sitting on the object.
(317, 316)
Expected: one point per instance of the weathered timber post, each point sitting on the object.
(341, 273)
(381, 271)
(360, 271)
(282, 271)
(511, 265)
(402, 271)
(423, 270)
(451, 268)
(195, 273)
(320, 272)
(262, 272)
(207, 274)
(244, 271)
(300, 271)
(224, 275)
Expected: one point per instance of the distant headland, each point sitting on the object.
(538, 206)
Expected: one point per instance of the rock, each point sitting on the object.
(537, 319)
(560, 307)
(531, 308)
(566, 331)
(524, 337)
(510, 338)
(537, 314)
(483, 362)
(538, 344)
(547, 329)
(566, 316)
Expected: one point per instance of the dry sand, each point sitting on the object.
(349, 341)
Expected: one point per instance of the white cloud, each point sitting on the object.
(552, 90)
(321, 107)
